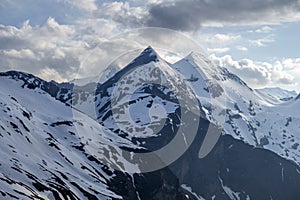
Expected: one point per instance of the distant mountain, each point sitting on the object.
(68, 141)
(278, 93)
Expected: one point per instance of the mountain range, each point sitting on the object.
(207, 133)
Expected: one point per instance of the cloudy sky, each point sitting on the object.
(257, 40)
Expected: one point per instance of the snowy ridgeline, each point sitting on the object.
(44, 156)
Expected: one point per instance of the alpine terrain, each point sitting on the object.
(152, 130)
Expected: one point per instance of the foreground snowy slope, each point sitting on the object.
(43, 157)
(39, 148)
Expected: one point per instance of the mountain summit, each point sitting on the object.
(147, 56)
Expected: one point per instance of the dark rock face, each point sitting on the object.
(157, 185)
(161, 184)
(232, 168)
(249, 172)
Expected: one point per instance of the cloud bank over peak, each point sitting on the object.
(261, 74)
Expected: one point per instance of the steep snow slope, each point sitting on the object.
(41, 151)
(250, 116)
(43, 156)
(140, 99)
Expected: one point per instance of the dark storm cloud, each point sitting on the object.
(189, 15)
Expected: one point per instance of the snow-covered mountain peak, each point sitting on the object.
(147, 56)
(195, 55)
(150, 50)
(198, 57)
(148, 83)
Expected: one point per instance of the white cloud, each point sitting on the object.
(51, 46)
(123, 13)
(57, 49)
(241, 48)
(218, 50)
(87, 5)
(225, 37)
(261, 42)
(12, 53)
(49, 74)
(291, 64)
(60, 50)
(264, 29)
(257, 74)
(217, 43)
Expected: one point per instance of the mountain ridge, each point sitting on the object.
(49, 153)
